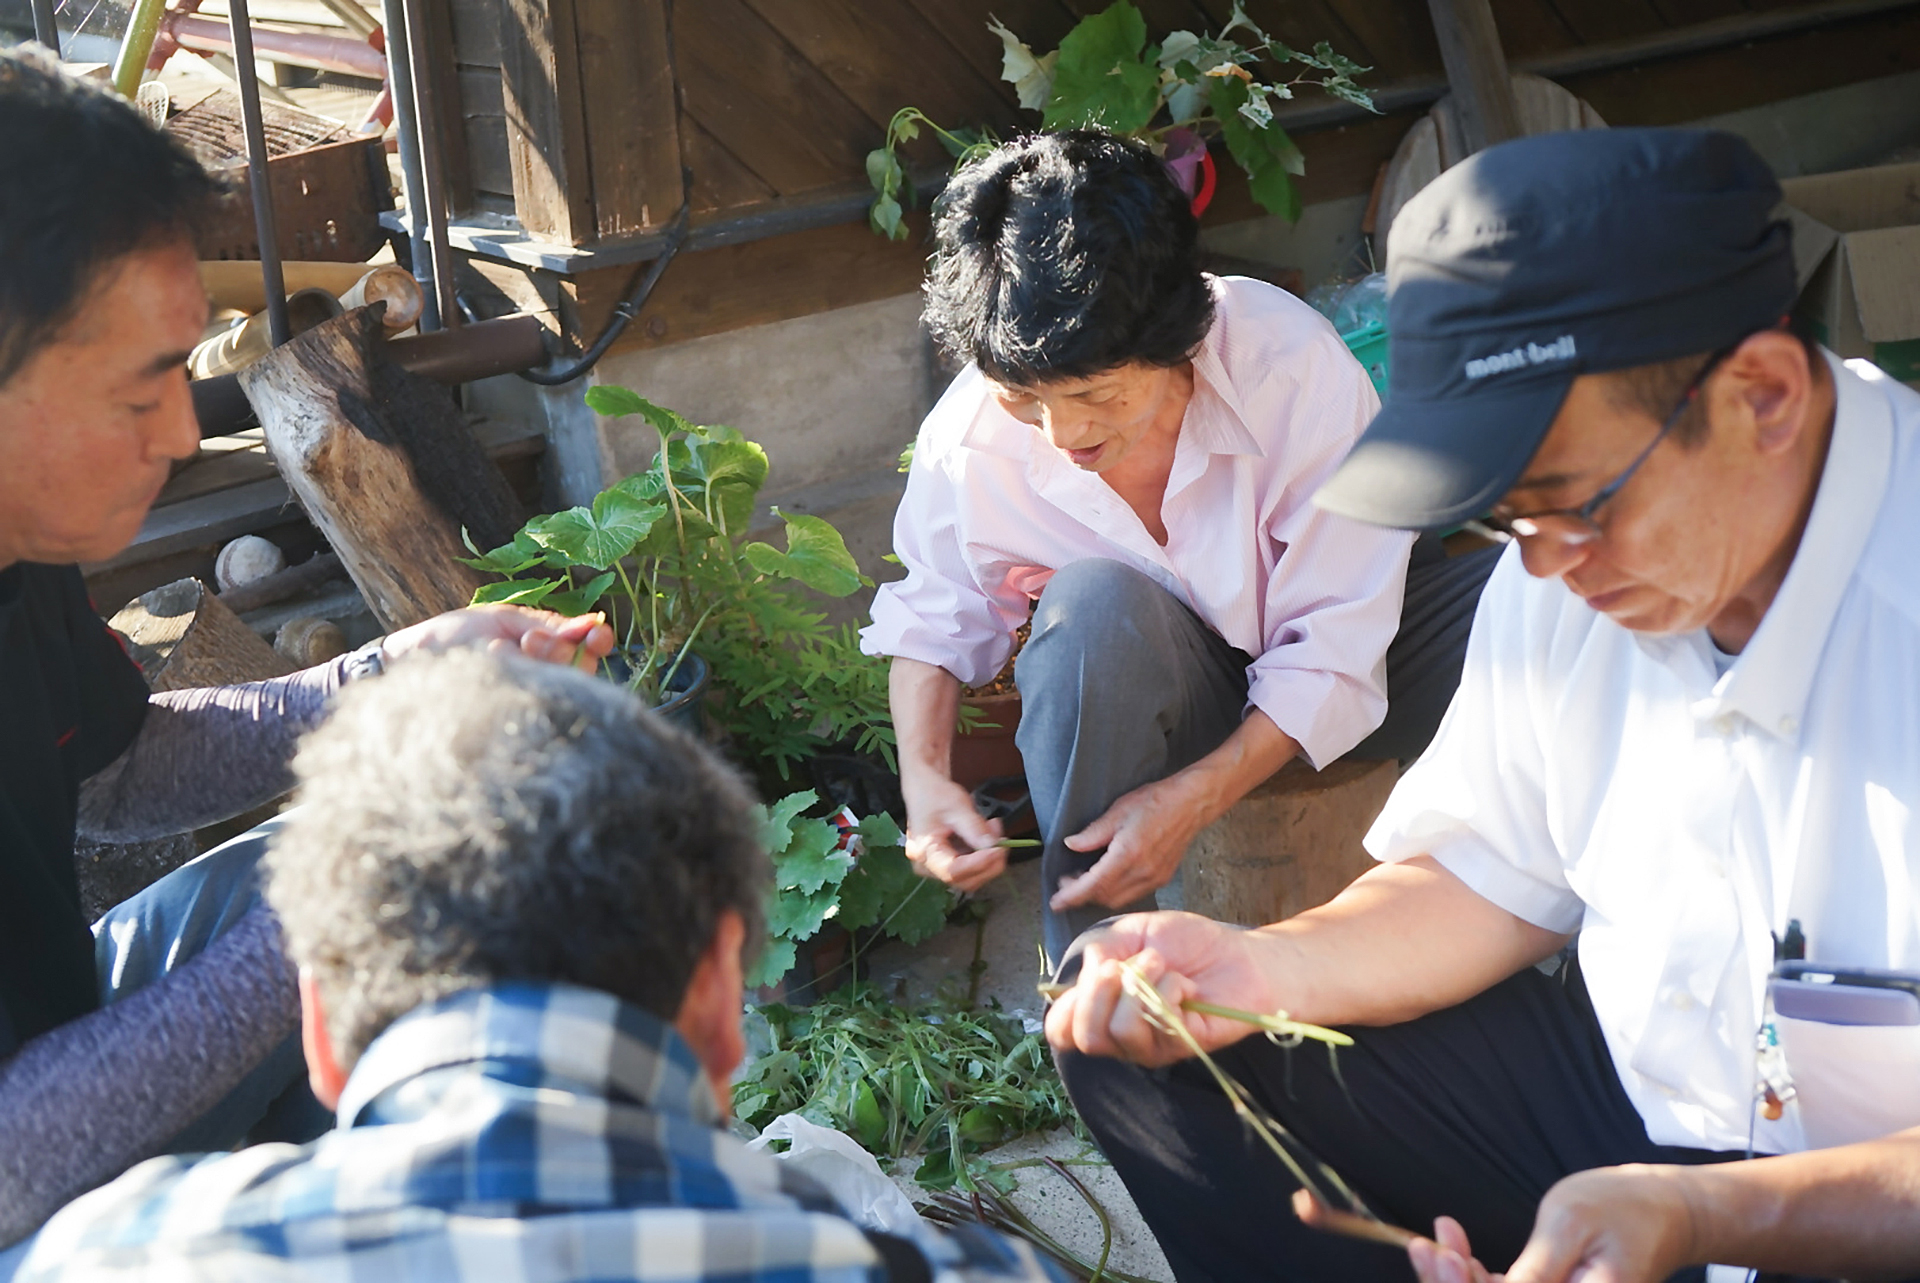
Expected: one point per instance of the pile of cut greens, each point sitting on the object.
(935, 1083)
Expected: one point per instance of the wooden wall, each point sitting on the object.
(573, 110)
(782, 99)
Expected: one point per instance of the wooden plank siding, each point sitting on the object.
(767, 102)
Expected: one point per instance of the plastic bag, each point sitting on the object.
(848, 1172)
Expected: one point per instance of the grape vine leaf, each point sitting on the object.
(1102, 77)
(797, 917)
(775, 961)
(812, 859)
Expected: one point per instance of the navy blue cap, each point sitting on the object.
(1542, 259)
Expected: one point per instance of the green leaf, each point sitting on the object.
(880, 830)
(795, 916)
(921, 913)
(812, 860)
(580, 600)
(731, 472)
(869, 1123)
(884, 217)
(881, 881)
(776, 821)
(1101, 79)
(508, 559)
(1276, 193)
(883, 170)
(1031, 77)
(816, 556)
(515, 592)
(600, 535)
(775, 961)
(615, 402)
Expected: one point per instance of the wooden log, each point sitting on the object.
(1476, 72)
(183, 637)
(1291, 844)
(371, 457)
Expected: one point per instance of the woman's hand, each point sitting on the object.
(582, 640)
(947, 839)
(1184, 956)
(1146, 834)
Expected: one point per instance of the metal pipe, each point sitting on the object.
(626, 309)
(427, 144)
(130, 64)
(305, 49)
(477, 351)
(45, 29)
(241, 25)
(400, 81)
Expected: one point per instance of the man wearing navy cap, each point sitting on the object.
(1686, 742)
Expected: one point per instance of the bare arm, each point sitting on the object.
(946, 838)
(1403, 940)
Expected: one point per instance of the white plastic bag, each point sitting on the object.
(849, 1173)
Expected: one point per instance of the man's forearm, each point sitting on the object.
(204, 756)
(81, 1103)
(1851, 1212)
(1404, 940)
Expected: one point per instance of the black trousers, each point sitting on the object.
(1103, 627)
(1473, 1112)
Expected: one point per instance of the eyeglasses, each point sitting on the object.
(1577, 525)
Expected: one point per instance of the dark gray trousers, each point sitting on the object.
(1121, 684)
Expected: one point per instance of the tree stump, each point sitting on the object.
(1288, 846)
(183, 638)
(383, 464)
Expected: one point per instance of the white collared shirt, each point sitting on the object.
(1588, 778)
(992, 510)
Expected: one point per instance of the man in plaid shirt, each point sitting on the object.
(518, 904)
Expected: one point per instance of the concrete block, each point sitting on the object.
(1288, 846)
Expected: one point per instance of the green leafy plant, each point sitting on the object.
(1178, 93)
(665, 553)
(816, 879)
(931, 1084)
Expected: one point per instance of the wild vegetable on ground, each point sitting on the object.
(924, 1087)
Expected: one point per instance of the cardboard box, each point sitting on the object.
(1856, 248)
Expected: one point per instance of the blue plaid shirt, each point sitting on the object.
(542, 1134)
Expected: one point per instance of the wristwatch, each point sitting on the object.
(368, 661)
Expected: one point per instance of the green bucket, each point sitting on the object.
(1369, 347)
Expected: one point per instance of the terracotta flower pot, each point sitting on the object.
(987, 751)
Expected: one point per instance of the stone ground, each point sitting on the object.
(1009, 945)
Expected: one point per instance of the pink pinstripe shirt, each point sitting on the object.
(992, 510)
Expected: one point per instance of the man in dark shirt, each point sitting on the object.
(171, 1023)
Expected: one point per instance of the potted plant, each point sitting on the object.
(1176, 95)
(665, 554)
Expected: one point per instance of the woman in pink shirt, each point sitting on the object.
(1135, 444)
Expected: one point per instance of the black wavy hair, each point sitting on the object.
(1059, 256)
(88, 180)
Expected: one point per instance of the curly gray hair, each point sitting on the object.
(474, 818)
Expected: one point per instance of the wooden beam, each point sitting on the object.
(1477, 72)
(631, 114)
(546, 120)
